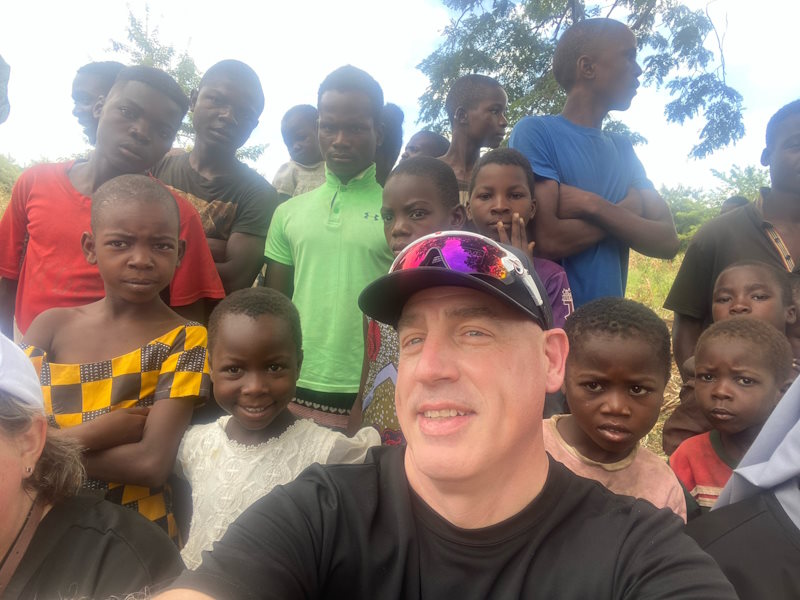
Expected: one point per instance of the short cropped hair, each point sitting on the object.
(583, 38)
(439, 143)
(467, 92)
(789, 110)
(106, 71)
(58, 473)
(623, 318)
(778, 276)
(254, 303)
(352, 79)
(126, 189)
(238, 71)
(437, 172)
(771, 348)
(156, 79)
(508, 157)
(301, 111)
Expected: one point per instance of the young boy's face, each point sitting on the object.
(499, 192)
(734, 386)
(137, 125)
(224, 112)
(614, 387)
(486, 121)
(300, 137)
(419, 145)
(136, 248)
(616, 72)
(254, 367)
(86, 91)
(748, 291)
(412, 208)
(348, 134)
(783, 158)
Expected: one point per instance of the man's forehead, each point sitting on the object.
(453, 302)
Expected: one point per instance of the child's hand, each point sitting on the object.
(519, 238)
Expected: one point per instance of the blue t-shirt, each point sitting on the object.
(595, 161)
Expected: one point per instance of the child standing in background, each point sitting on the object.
(120, 376)
(617, 368)
(255, 347)
(306, 169)
(742, 366)
(501, 205)
(420, 198)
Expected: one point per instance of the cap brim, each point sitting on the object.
(384, 298)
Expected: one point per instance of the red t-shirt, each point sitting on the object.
(40, 235)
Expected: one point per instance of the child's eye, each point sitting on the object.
(746, 380)
(760, 297)
(417, 214)
(126, 112)
(593, 386)
(232, 370)
(387, 217)
(638, 390)
(117, 244)
(164, 246)
(722, 299)
(275, 368)
(704, 377)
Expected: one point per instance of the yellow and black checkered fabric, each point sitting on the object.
(173, 366)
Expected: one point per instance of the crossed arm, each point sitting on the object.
(238, 259)
(570, 220)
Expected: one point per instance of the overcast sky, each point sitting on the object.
(293, 45)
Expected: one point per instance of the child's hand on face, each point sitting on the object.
(519, 238)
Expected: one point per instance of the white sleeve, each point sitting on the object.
(353, 450)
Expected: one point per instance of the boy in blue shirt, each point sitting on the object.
(594, 199)
(326, 245)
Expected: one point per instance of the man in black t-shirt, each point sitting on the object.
(473, 507)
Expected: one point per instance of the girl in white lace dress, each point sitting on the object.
(255, 349)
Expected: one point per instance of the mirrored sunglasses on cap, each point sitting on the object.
(471, 254)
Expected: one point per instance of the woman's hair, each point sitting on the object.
(59, 472)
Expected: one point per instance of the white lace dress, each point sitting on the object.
(227, 477)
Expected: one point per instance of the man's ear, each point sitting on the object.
(791, 314)
(181, 251)
(585, 67)
(533, 207)
(88, 245)
(556, 348)
(458, 217)
(97, 108)
(765, 154)
(193, 99)
(460, 115)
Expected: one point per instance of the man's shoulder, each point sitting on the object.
(253, 180)
(43, 173)
(720, 228)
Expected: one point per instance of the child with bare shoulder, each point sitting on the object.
(121, 375)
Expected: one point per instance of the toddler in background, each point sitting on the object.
(742, 366)
(306, 169)
(617, 368)
(120, 376)
(501, 204)
(420, 198)
(255, 349)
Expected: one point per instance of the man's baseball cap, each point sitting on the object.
(461, 259)
(18, 378)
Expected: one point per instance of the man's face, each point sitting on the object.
(348, 134)
(783, 158)
(487, 120)
(137, 126)
(86, 91)
(471, 382)
(419, 145)
(224, 113)
(616, 72)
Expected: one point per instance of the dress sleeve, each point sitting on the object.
(14, 229)
(196, 277)
(530, 136)
(184, 373)
(353, 450)
(278, 247)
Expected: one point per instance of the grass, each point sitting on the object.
(649, 282)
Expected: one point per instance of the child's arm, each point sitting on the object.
(557, 237)
(150, 461)
(243, 259)
(8, 298)
(642, 219)
(356, 416)
(280, 277)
